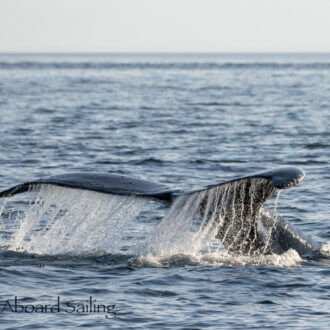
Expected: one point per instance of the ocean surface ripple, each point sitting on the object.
(183, 120)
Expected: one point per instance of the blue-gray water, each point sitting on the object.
(186, 121)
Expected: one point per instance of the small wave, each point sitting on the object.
(219, 104)
(148, 161)
(313, 146)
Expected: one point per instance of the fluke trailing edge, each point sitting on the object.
(242, 226)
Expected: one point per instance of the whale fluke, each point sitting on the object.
(235, 204)
(101, 182)
(107, 183)
(281, 178)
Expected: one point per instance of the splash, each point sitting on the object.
(179, 231)
(64, 221)
(274, 220)
(189, 232)
(325, 249)
(229, 212)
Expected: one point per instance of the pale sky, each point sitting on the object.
(164, 25)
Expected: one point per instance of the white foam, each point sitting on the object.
(288, 259)
(325, 249)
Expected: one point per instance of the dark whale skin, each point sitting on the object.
(107, 183)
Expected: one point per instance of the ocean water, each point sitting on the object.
(183, 120)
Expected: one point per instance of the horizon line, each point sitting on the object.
(162, 52)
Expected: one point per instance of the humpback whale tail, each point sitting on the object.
(122, 185)
(232, 208)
